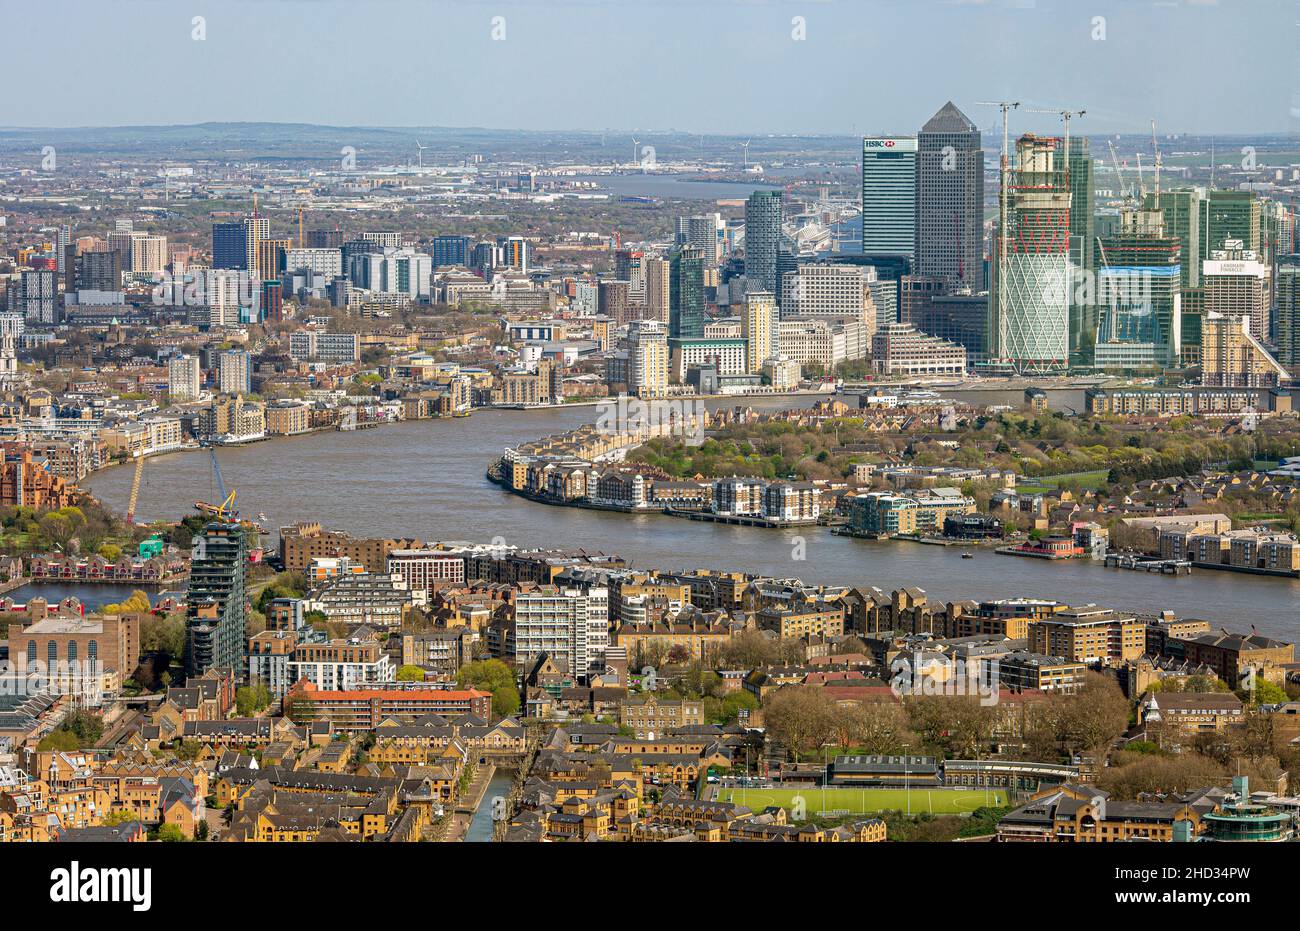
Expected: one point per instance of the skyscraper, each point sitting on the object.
(705, 232)
(647, 352)
(950, 200)
(1139, 296)
(1288, 311)
(629, 266)
(216, 612)
(762, 239)
(1081, 180)
(1030, 314)
(657, 288)
(686, 294)
(889, 195)
(758, 327)
(229, 241)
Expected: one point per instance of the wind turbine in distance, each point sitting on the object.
(744, 147)
(635, 151)
(420, 152)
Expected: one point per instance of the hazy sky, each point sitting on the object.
(727, 66)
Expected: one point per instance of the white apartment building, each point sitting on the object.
(327, 262)
(334, 348)
(647, 358)
(183, 378)
(568, 625)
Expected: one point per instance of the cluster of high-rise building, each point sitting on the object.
(1055, 281)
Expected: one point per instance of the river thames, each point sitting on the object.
(426, 479)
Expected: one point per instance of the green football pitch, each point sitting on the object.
(866, 801)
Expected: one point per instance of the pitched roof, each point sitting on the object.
(948, 120)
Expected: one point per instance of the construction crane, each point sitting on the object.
(226, 509)
(1155, 144)
(1123, 188)
(135, 488)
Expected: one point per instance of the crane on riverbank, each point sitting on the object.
(135, 488)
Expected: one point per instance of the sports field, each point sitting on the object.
(866, 801)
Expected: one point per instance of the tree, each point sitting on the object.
(492, 675)
(410, 673)
(252, 698)
(170, 834)
(1094, 717)
(138, 603)
(801, 718)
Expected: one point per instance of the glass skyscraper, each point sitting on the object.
(889, 196)
(686, 294)
(762, 239)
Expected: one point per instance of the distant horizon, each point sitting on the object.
(756, 134)
(718, 67)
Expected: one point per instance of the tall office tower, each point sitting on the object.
(450, 250)
(1081, 179)
(99, 271)
(1236, 284)
(11, 328)
(1183, 211)
(889, 195)
(1230, 215)
(629, 266)
(148, 254)
(829, 291)
(1139, 296)
(1232, 358)
(1288, 311)
(514, 252)
(229, 240)
(38, 297)
(216, 610)
(762, 239)
(1030, 328)
(950, 200)
(62, 239)
(234, 372)
(183, 378)
(647, 358)
(613, 301)
(704, 231)
(686, 294)
(656, 288)
(270, 257)
(324, 239)
(758, 327)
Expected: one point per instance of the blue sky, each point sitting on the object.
(726, 66)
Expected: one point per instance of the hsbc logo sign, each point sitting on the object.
(903, 145)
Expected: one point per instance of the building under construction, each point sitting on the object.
(1139, 293)
(1030, 311)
